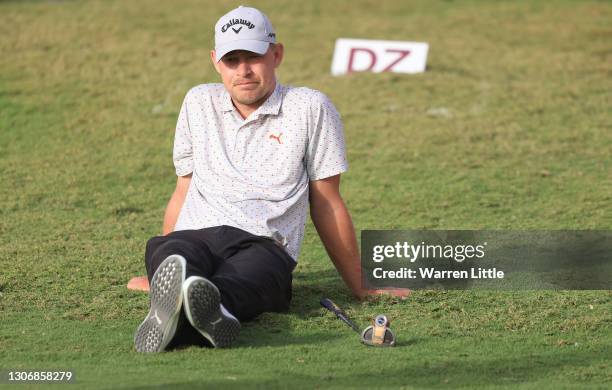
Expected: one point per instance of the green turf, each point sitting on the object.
(510, 127)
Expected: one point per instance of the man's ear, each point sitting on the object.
(213, 58)
(279, 51)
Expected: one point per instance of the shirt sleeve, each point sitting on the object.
(326, 152)
(182, 153)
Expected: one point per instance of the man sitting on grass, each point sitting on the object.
(251, 155)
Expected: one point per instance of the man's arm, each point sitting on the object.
(176, 203)
(335, 227)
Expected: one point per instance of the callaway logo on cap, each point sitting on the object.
(243, 28)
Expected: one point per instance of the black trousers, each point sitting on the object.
(252, 273)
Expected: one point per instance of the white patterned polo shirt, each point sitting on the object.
(253, 173)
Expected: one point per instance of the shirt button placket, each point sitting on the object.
(242, 142)
(234, 138)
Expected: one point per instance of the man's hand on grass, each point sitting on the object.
(402, 293)
(138, 283)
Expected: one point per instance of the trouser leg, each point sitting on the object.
(255, 276)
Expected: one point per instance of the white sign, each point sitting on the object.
(364, 55)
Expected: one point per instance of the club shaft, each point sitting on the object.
(331, 306)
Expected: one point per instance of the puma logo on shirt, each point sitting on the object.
(277, 137)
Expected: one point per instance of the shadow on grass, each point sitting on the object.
(310, 287)
(256, 337)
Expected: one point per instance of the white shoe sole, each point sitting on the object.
(202, 304)
(159, 326)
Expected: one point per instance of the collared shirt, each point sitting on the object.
(253, 173)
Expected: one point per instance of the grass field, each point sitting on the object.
(510, 127)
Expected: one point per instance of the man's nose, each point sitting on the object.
(244, 68)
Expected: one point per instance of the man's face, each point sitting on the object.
(249, 77)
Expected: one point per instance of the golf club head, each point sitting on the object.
(378, 334)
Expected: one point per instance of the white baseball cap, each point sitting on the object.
(243, 28)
